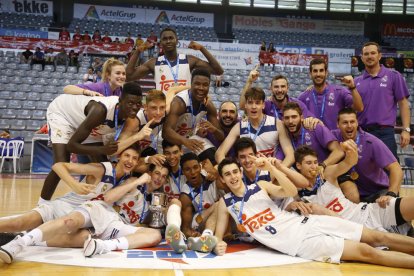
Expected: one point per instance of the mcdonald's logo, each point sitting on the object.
(389, 29)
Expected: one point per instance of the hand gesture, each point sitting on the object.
(110, 148)
(157, 159)
(220, 248)
(83, 188)
(254, 74)
(143, 179)
(348, 81)
(195, 46)
(146, 131)
(351, 150)
(383, 201)
(91, 93)
(194, 145)
(311, 122)
(302, 208)
(262, 163)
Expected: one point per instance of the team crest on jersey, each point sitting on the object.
(308, 140)
(331, 99)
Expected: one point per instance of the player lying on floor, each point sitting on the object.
(320, 238)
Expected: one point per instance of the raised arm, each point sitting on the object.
(168, 132)
(212, 65)
(64, 171)
(135, 73)
(357, 104)
(212, 118)
(253, 76)
(336, 153)
(285, 187)
(75, 90)
(227, 143)
(131, 135)
(332, 172)
(130, 184)
(286, 144)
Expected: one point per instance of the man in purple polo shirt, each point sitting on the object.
(274, 105)
(320, 139)
(375, 161)
(381, 89)
(325, 100)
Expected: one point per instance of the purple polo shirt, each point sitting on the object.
(318, 139)
(101, 87)
(380, 96)
(333, 99)
(272, 110)
(373, 157)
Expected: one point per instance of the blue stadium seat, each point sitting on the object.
(33, 96)
(3, 103)
(24, 114)
(18, 125)
(4, 124)
(19, 96)
(6, 95)
(9, 114)
(39, 115)
(42, 105)
(29, 104)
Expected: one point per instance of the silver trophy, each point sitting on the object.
(158, 204)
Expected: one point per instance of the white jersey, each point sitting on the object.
(267, 139)
(370, 215)
(164, 75)
(133, 207)
(155, 140)
(71, 111)
(208, 192)
(175, 184)
(187, 122)
(267, 223)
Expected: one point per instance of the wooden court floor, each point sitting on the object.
(20, 193)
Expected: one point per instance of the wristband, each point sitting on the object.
(389, 193)
(146, 160)
(352, 88)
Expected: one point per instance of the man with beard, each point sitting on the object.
(228, 117)
(266, 131)
(377, 174)
(325, 100)
(320, 139)
(381, 90)
(188, 111)
(279, 87)
(171, 69)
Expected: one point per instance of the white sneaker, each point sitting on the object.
(204, 244)
(9, 251)
(93, 247)
(175, 238)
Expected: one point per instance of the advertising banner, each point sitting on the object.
(57, 45)
(143, 15)
(35, 7)
(23, 33)
(288, 59)
(335, 55)
(398, 29)
(283, 24)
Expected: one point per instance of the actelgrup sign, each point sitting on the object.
(28, 7)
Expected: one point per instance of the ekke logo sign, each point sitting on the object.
(34, 7)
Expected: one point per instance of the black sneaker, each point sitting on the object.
(8, 237)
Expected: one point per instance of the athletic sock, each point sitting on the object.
(33, 237)
(207, 232)
(174, 215)
(117, 244)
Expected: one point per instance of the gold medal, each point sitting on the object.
(199, 219)
(354, 175)
(241, 228)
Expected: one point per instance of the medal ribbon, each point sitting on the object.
(233, 208)
(302, 138)
(357, 142)
(116, 183)
(117, 130)
(245, 180)
(315, 100)
(177, 180)
(200, 203)
(143, 213)
(258, 130)
(175, 75)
